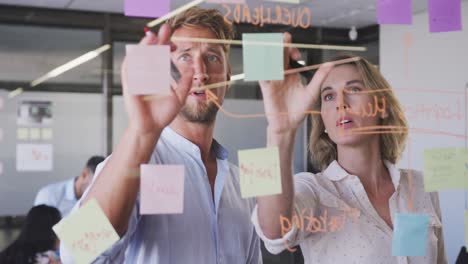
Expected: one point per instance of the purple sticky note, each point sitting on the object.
(444, 15)
(161, 189)
(148, 69)
(394, 12)
(147, 8)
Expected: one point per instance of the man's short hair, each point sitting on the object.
(206, 18)
(93, 162)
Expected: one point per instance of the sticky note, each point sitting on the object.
(259, 171)
(22, 133)
(147, 8)
(46, 134)
(148, 69)
(263, 56)
(86, 233)
(161, 189)
(440, 170)
(34, 134)
(34, 157)
(461, 174)
(444, 15)
(394, 12)
(410, 235)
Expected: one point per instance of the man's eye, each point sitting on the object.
(184, 57)
(212, 58)
(328, 97)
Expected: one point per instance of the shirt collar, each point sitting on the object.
(70, 190)
(184, 144)
(335, 172)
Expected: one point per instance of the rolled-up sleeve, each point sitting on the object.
(305, 199)
(116, 253)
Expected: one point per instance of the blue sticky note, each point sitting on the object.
(444, 15)
(263, 56)
(410, 235)
(394, 12)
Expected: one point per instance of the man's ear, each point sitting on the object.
(228, 72)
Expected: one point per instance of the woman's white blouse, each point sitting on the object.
(336, 222)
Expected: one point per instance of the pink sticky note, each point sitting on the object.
(148, 69)
(147, 8)
(161, 189)
(444, 15)
(394, 12)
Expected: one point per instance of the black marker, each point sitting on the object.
(175, 72)
(306, 74)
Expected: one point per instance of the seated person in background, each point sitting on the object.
(37, 242)
(64, 195)
(358, 175)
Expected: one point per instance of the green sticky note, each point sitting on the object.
(462, 166)
(263, 56)
(440, 170)
(86, 233)
(259, 172)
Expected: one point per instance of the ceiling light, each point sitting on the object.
(71, 64)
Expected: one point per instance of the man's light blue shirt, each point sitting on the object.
(60, 195)
(207, 232)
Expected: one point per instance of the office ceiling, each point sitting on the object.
(324, 13)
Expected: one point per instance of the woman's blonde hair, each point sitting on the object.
(323, 149)
(211, 19)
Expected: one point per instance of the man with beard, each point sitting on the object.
(215, 225)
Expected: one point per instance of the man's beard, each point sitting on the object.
(203, 113)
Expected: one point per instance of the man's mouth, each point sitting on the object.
(199, 95)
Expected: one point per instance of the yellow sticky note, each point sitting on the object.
(259, 172)
(462, 166)
(440, 170)
(86, 233)
(34, 134)
(46, 134)
(22, 133)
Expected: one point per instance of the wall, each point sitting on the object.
(430, 78)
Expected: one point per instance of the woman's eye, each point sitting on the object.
(355, 89)
(328, 97)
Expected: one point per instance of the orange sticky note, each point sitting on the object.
(148, 69)
(259, 172)
(86, 233)
(161, 189)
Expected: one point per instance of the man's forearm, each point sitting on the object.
(117, 185)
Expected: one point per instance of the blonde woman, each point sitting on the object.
(344, 214)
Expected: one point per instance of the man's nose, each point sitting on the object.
(200, 75)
